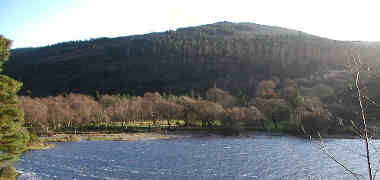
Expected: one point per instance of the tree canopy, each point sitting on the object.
(12, 136)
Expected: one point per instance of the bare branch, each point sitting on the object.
(323, 148)
(360, 98)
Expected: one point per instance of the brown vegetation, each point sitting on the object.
(272, 109)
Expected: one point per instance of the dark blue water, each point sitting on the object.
(262, 157)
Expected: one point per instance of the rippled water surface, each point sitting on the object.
(262, 157)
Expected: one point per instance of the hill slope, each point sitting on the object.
(234, 56)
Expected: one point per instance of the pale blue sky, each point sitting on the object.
(32, 23)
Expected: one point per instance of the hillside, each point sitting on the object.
(231, 56)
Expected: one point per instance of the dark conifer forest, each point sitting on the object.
(229, 72)
(232, 56)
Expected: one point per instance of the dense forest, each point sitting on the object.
(233, 56)
(271, 74)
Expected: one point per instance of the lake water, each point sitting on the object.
(208, 158)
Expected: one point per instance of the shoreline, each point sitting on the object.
(39, 146)
(136, 136)
(46, 143)
(108, 137)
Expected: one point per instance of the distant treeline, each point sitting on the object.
(272, 108)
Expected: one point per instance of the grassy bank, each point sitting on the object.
(39, 146)
(95, 136)
(133, 133)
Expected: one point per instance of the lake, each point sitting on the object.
(208, 158)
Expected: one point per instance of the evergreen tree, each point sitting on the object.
(12, 136)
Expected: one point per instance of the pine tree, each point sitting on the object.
(13, 137)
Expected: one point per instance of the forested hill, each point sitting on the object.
(231, 56)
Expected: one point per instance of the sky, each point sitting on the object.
(34, 23)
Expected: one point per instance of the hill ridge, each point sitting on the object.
(235, 55)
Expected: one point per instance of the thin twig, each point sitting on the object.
(323, 148)
(360, 98)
